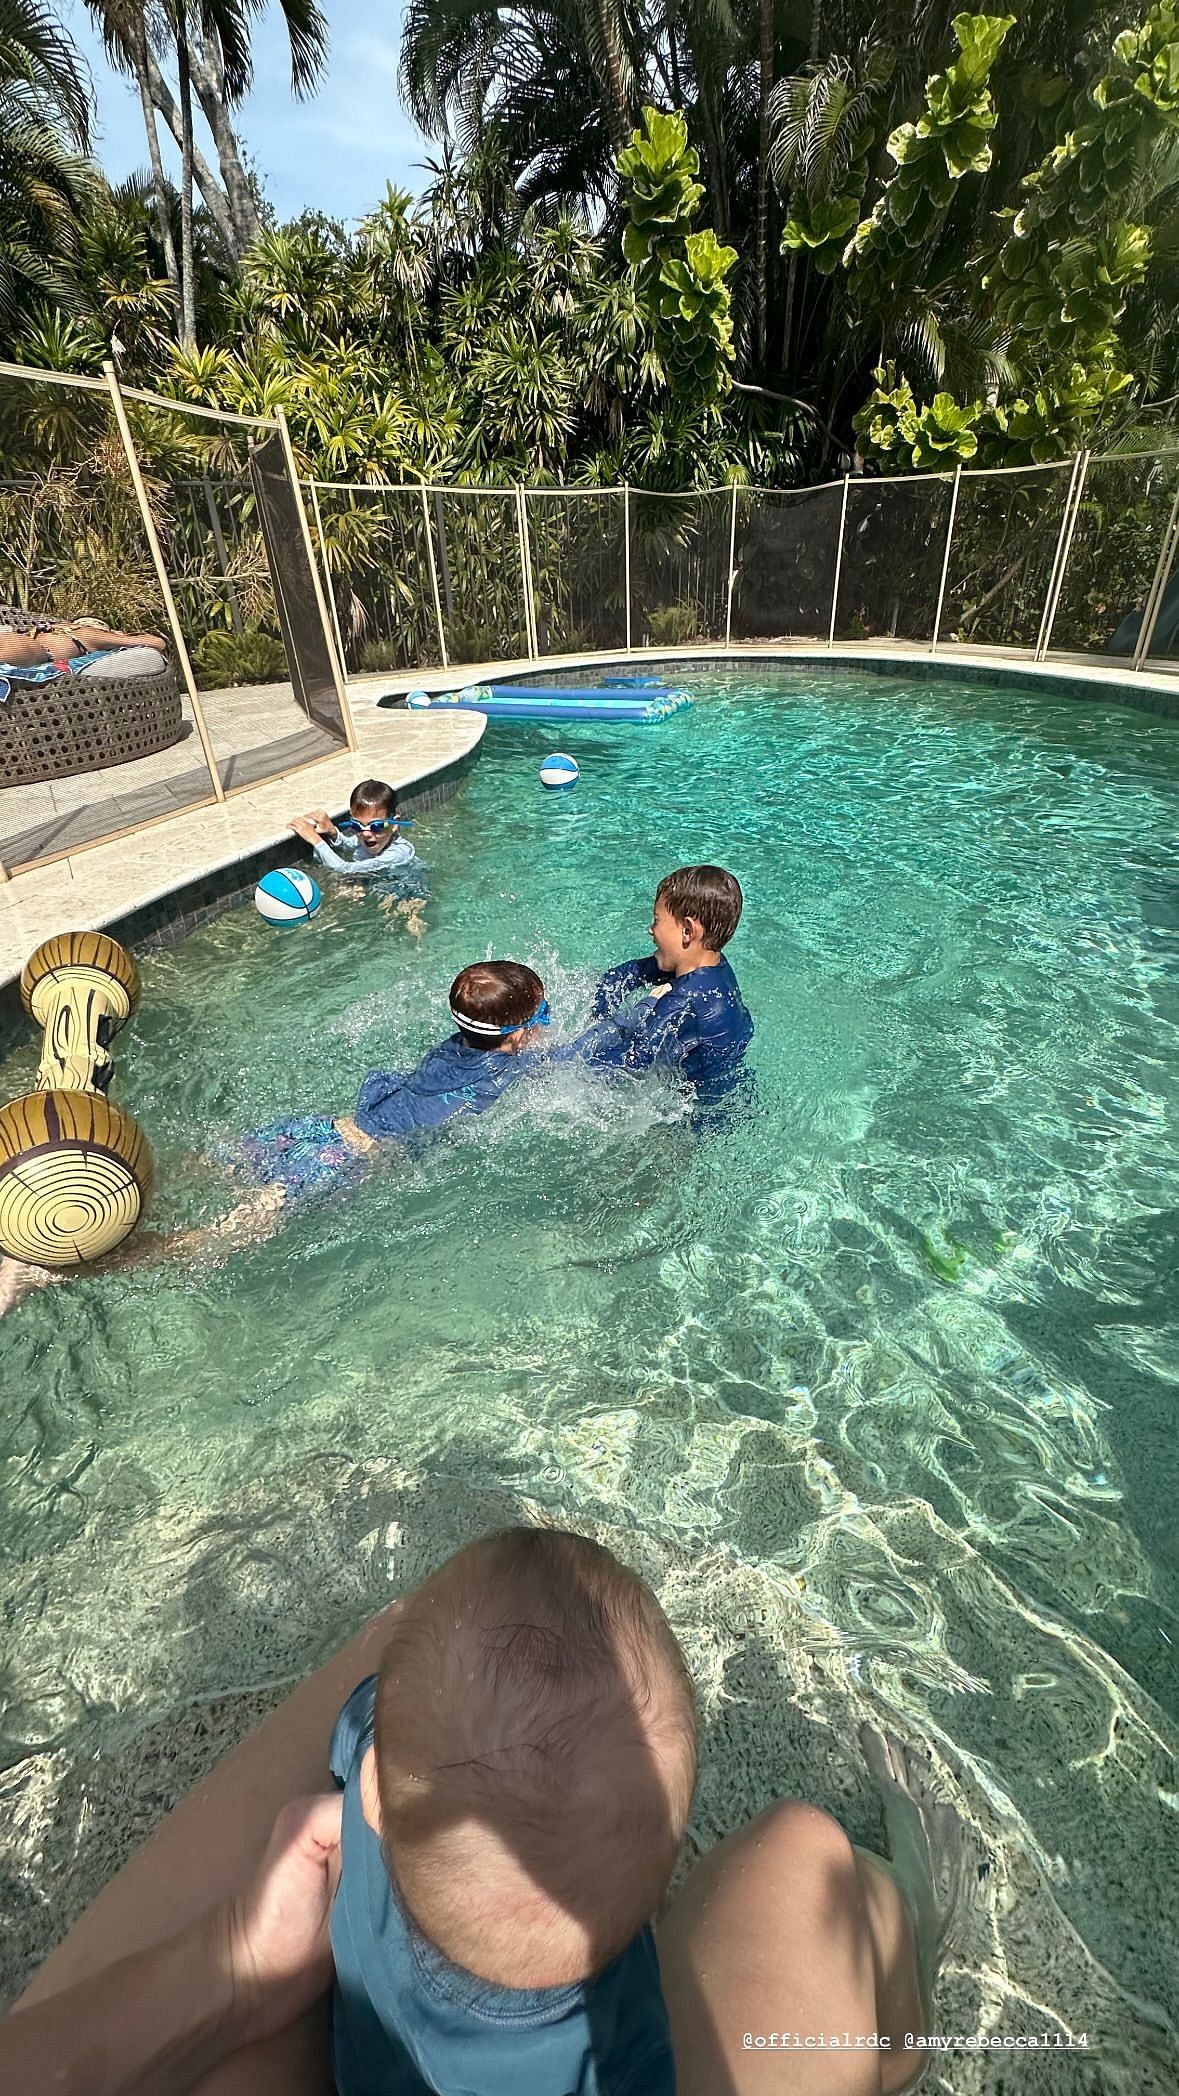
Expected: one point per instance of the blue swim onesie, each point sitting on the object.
(696, 1024)
(408, 2022)
(307, 1154)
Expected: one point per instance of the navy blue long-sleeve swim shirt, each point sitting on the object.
(696, 1024)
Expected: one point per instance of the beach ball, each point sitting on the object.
(558, 770)
(289, 896)
(418, 698)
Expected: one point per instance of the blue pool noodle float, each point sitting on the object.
(567, 702)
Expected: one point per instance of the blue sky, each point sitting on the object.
(335, 151)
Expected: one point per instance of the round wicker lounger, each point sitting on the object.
(78, 724)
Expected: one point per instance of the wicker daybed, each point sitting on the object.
(78, 724)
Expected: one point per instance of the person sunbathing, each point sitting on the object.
(29, 639)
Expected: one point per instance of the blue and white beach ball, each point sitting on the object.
(288, 896)
(558, 770)
(418, 698)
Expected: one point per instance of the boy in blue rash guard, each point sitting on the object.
(497, 1007)
(371, 844)
(691, 1018)
(516, 1779)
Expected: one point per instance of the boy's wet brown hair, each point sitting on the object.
(707, 893)
(500, 993)
(374, 796)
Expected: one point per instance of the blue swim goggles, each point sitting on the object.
(540, 1017)
(383, 822)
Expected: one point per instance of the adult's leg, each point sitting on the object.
(783, 1931)
(207, 1847)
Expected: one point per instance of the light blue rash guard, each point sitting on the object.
(350, 854)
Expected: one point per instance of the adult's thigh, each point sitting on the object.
(211, 1842)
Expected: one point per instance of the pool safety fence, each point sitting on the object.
(164, 517)
(1077, 560)
(159, 515)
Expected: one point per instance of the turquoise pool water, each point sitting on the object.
(880, 1384)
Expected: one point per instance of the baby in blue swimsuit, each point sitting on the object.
(691, 1017)
(517, 1781)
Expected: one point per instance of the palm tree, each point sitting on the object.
(543, 71)
(211, 43)
(44, 132)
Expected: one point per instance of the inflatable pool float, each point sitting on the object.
(604, 702)
(75, 1170)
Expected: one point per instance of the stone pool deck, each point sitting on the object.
(110, 881)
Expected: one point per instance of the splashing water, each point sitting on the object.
(877, 1383)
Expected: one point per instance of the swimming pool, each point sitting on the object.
(878, 1385)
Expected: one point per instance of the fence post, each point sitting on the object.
(1064, 541)
(526, 571)
(434, 576)
(331, 594)
(732, 569)
(1158, 588)
(626, 554)
(301, 512)
(941, 589)
(838, 562)
(157, 554)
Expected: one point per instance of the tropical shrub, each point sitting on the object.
(221, 658)
(680, 275)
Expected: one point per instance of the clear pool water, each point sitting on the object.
(880, 1384)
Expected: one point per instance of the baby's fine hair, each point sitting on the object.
(375, 794)
(533, 1699)
(707, 893)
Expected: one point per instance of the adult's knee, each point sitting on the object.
(804, 1843)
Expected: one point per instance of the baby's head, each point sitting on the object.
(535, 1756)
(495, 1003)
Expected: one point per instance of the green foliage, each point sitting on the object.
(674, 625)
(680, 276)
(1071, 256)
(44, 180)
(222, 658)
(950, 140)
(824, 130)
(907, 438)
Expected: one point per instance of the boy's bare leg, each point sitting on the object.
(411, 910)
(250, 1222)
(206, 1848)
(783, 1928)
